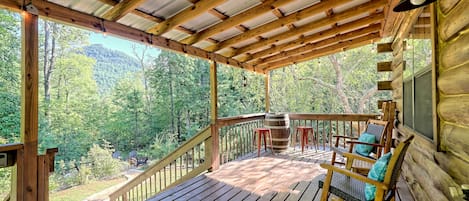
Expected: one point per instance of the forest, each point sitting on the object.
(96, 101)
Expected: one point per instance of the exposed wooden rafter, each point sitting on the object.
(310, 26)
(65, 15)
(342, 46)
(135, 12)
(323, 34)
(284, 21)
(187, 14)
(266, 6)
(323, 43)
(121, 9)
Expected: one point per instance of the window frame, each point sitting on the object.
(435, 93)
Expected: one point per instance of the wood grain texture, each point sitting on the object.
(454, 109)
(454, 22)
(187, 14)
(384, 47)
(455, 53)
(30, 104)
(456, 140)
(384, 66)
(308, 12)
(317, 36)
(446, 6)
(356, 11)
(323, 43)
(454, 81)
(68, 16)
(263, 8)
(454, 166)
(121, 9)
(384, 85)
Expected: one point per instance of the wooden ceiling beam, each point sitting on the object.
(121, 9)
(187, 14)
(135, 12)
(342, 46)
(264, 7)
(390, 18)
(65, 15)
(323, 43)
(323, 34)
(373, 5)
(281, 22)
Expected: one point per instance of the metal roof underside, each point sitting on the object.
(262, 35)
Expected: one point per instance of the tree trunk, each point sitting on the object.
(340, 83)
(171, 96)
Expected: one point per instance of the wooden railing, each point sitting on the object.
(45, 165)
(189, 160)
(236, 135)
(327, 125)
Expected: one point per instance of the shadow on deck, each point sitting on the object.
(284, 176)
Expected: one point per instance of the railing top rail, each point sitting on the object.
(196, 139)
(11, 147)
(226, 121)
(340, 117)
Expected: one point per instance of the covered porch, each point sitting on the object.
(261, 36)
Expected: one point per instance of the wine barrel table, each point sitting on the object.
(279, 125)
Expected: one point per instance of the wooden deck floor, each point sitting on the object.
(286, 176)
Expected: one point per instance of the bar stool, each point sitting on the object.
(262, 132)
(304, 130)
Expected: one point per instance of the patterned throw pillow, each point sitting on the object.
(365, 149)
(377, 172)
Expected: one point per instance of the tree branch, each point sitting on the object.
(368, 94)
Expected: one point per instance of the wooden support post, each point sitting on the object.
(267, 92)
(214, 116)
(391, 111)
(29, 104)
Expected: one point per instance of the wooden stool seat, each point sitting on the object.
(304, 130)
(261, 133)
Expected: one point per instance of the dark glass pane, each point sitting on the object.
(408, 119)
(423, 104)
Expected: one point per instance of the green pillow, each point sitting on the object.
(377, 172)
(365, 149)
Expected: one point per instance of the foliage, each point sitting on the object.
(102, 163)
(110, 67)
(9, 76)
(152, 103)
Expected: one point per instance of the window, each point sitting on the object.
(417, 84)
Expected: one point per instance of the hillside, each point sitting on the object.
(111, 65)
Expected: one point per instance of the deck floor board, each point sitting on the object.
(289, 176)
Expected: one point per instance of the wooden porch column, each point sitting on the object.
(29, 104)
(267, 92)
(214, 116)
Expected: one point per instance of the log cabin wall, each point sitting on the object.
(435, 170)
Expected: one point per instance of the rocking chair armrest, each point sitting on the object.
(358, 157)
(364, 143)
(354, 175)
(346, 137)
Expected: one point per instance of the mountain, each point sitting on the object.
(111, 66)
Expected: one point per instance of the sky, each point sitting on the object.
(123, 45)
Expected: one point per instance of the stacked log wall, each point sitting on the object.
(435, 170)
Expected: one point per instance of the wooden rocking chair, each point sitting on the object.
(374, 127)
(350, 186)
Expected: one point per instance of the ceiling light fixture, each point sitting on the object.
(406, 5)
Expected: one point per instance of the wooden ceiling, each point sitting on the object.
(251, 34)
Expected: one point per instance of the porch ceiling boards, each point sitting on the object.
(258, 35)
